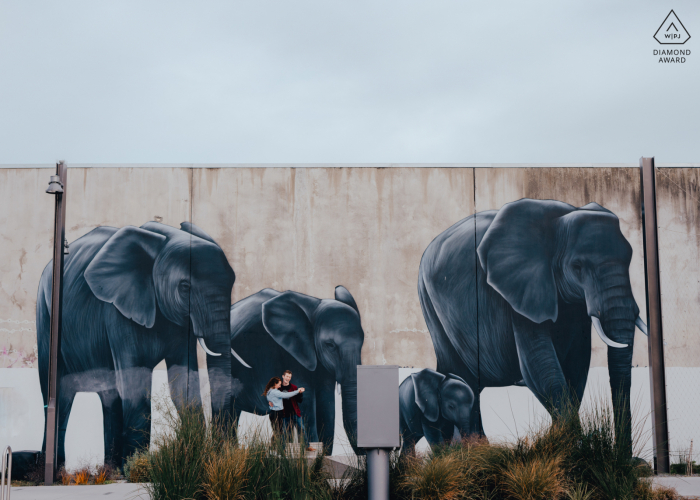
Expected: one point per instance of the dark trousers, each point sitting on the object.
(291, 422)
(276, 419)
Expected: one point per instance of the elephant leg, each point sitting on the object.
(134, 385)
(183, 375)
(476, 426)
(432, 432)
(325, 413)
(65, 403)
(112, 414)
(408, 439)
(539, 363)
(576, 364)
(236, 421)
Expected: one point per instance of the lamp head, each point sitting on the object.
(55, 186)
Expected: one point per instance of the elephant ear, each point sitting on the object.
(427, 385)
(122, 273)
(188, 227)
(343, 295)
(516, 253)
(286, 319)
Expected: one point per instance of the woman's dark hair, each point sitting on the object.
(273, 382)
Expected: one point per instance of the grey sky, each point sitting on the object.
(345, 81)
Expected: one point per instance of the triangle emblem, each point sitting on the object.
(672, 31)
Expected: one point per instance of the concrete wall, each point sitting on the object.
(311, 229)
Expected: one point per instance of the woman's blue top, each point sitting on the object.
(275, 396)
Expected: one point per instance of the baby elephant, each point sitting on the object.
(431, 405)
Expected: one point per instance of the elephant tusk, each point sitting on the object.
(601, 334)
(204, 346)
(641, 325)
(337, 386)
(235, 355)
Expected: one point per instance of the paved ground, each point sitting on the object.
(686, 486)
(116, 491)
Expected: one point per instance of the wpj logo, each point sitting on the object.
(672, 31)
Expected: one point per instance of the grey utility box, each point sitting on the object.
(378, 407)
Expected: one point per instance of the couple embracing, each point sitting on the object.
(284, 399)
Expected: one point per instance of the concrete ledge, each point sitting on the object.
(115, 491)
(687, 486)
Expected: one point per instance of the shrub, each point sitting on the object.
(579, 492)
(536, 479)
(136, 468)
(226, 474)
(176, 466)
(644, 490)
(104, 473)
(435, 478)
(65, 476)
(82, 476)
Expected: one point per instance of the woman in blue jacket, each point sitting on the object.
(275, 397)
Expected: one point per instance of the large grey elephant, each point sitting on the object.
(131, 298)
(319, 340)
(509, 296)
(433, 405)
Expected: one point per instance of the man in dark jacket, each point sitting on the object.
(291, 418)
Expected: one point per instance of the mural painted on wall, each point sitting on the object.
(503, 310)
(434, 406)
(509, 296)
(133, 297)
(319, 340)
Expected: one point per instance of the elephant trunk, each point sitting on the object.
(348, 393)
(217, 340)
(618, 315)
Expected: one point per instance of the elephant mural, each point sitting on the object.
(509, 296)
(432, 405)
(319, 340)
(131, 298)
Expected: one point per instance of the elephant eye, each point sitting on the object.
(184, 287)
(576, 267)
(330, 344)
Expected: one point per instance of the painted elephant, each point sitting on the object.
(319, 340)
(432, 405)
(131, 298)
(509, 295)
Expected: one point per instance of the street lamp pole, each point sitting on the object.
(57, 187)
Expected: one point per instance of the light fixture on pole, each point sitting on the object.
(57, 186)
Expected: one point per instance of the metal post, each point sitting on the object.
(656, 347)
(5, 487)
(55, 340)
(378, 473)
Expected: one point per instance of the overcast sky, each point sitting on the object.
(345, 81)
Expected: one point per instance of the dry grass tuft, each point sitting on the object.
(537, 479)
(436, 478)
(226, 474)
(644, 490)
(579, 491)
(66, 477)
(82, 476)
(136, 468)
(103, 473)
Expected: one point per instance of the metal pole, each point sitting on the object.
(378, 473)
(55, 340)
(653, 295)
(5, 487)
